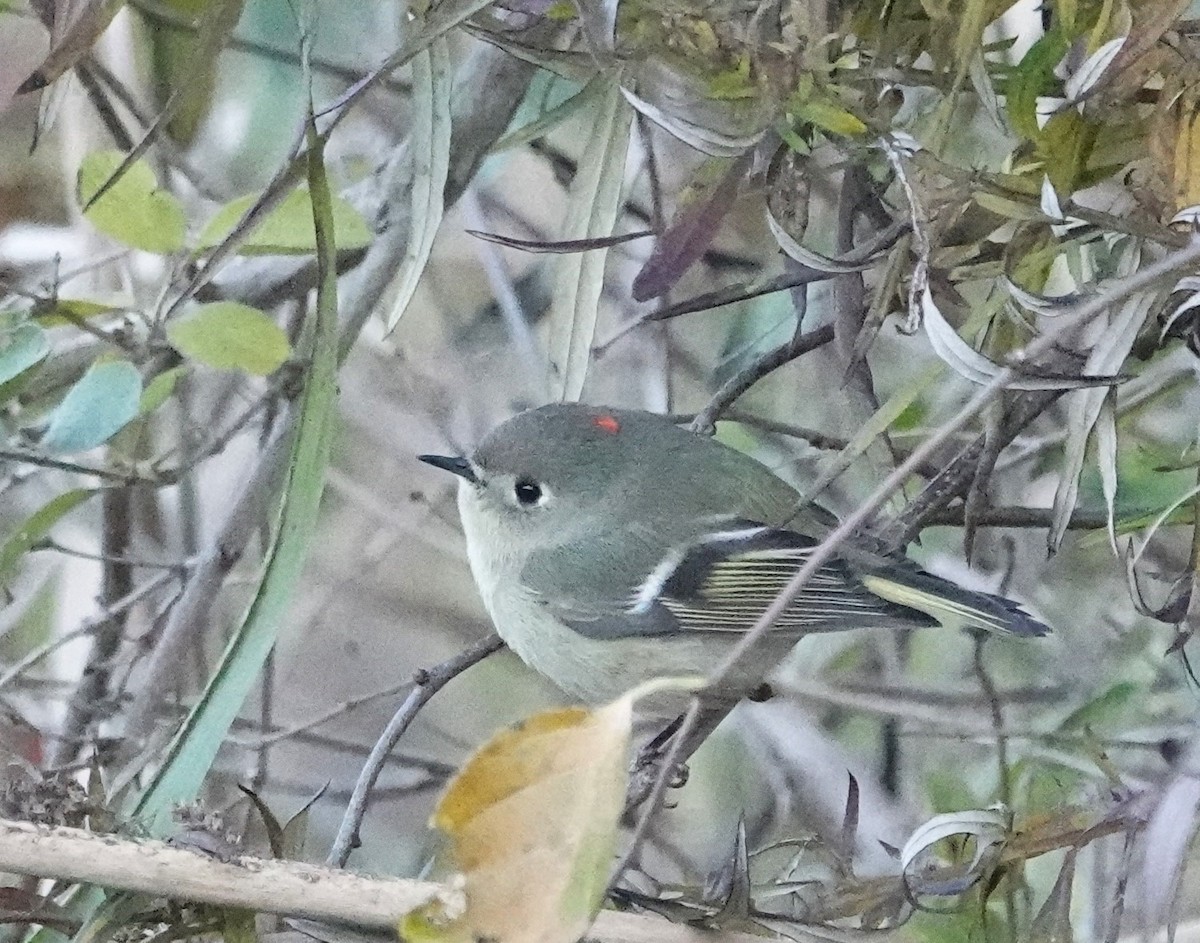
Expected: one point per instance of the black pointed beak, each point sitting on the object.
(456, 465)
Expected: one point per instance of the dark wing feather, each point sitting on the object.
(723, 582)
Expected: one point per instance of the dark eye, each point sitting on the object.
(528, 492)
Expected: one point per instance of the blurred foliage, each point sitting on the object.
(820, 225)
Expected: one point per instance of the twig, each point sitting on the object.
(117, 511)
(426, 684)
(85, 628)
(136, 562)
(189, 619)
(1003, 772)
(1117, 908)
(735, 386)
(657, 792)
(744, 291)
(47, 461)
(346, 707)
(1013, 516)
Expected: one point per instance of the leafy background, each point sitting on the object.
(805, 171)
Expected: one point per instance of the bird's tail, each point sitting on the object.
(951, 605)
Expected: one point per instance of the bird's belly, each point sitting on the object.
(596, 671)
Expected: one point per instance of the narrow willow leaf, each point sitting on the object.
(560, 247)
(96, 408)
(442, 18)
(707, 140)
(1169, 833)
(90, 20)
(1032, 78)
(216, 24)
(550, 119)
(1049, 201)
(34, 528)
(972, 17)
(133, 210)
(594, 204)
(833, 465)
(1106, 357)
(1106, 458)
(429, 150)
(187, 63)
(689, 235)
(813, 259)
(971, 365)
(191, 753)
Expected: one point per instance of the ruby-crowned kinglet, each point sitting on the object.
(611, 546)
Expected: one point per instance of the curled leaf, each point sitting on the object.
(1093, 69)
(971, 365)
(926, 869)
(1107, 356)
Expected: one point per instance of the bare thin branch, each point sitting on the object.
(426, 684)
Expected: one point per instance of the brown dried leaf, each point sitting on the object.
(532, 820)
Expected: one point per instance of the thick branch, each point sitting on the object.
(156, 868)
(279, 887)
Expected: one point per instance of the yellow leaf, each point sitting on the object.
(1186, 166)
(532, 824)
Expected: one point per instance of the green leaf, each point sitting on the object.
(35, 527)
(429, 145)
(21, 348)
(1032, 78)
(95, 408)
(830, 117)
(1110, 707)
(231, 336)
(288, 229)
(593, 206)
(1065, 146)
(159, 390)
(134, 211)
(832, 466)
(69, 311)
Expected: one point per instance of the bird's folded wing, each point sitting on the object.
(722, 581)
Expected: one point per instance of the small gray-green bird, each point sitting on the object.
(611, 546)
